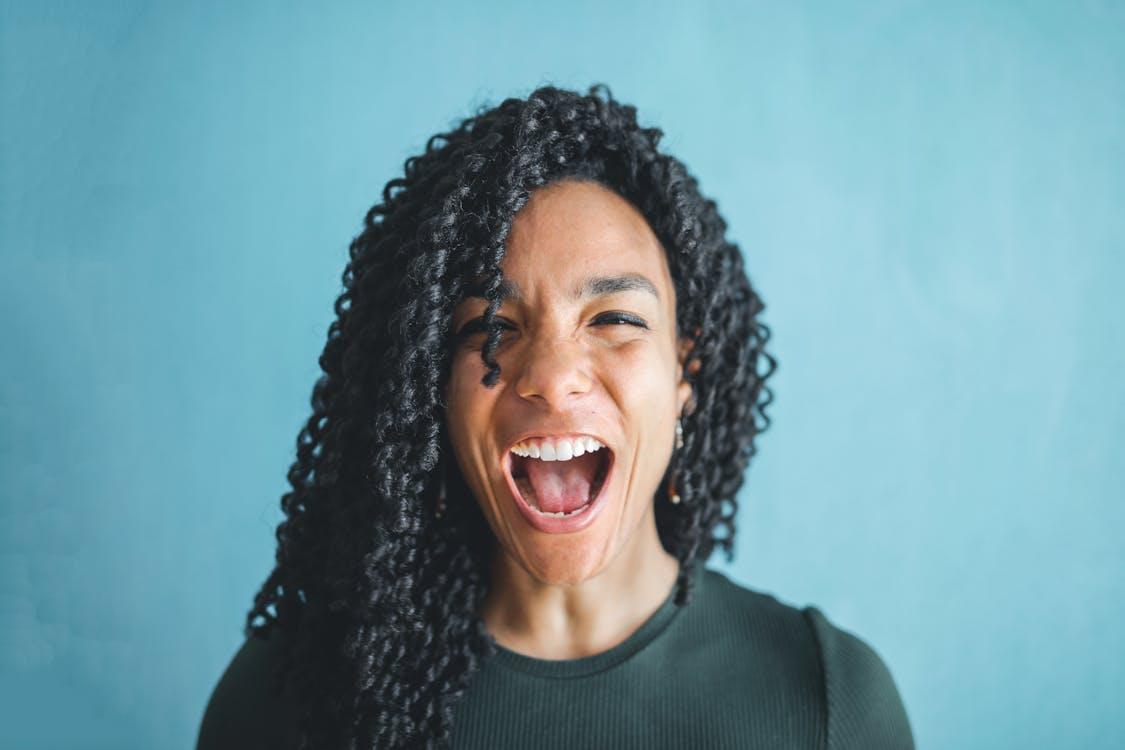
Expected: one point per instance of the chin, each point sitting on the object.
(563, 564)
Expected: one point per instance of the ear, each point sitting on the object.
(684, 392)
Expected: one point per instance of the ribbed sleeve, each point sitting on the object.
(863, 706)
(244, 710)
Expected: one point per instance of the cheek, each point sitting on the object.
(467, 402)
(644, 388)
(642, 376)
(465, 373)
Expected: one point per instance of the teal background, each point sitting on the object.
(929, 197)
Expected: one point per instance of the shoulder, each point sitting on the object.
(864, 705)
(773, 628)
(246, 708)
(852, 688)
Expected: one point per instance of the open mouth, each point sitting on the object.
(558, 495)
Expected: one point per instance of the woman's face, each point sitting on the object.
(588, 352)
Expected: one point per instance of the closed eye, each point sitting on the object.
(476, 325)
(618, 318)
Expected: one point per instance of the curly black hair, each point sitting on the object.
(377, 595)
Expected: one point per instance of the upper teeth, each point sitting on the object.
(556, 450)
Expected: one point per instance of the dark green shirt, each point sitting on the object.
(735, 668)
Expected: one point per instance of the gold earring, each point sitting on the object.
(673, 496)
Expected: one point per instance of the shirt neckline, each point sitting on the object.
(585, 666)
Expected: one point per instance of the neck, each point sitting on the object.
(551, 621)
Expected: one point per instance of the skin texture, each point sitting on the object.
(568, 365)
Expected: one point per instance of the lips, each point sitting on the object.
(567, 515)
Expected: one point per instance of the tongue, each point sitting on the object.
(562, 486)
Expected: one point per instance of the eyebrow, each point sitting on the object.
(594, 286)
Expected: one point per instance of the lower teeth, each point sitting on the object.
(560, 514)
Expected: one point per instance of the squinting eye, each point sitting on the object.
(617, 318)
(476, 325)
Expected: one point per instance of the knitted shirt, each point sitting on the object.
(734, 668)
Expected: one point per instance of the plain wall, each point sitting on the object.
(929, 198)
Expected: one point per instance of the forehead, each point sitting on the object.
(572, 231)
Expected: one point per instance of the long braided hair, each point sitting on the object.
(376, 595)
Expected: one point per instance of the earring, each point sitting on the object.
(673, 496)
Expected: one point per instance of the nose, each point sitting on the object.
(554, 372)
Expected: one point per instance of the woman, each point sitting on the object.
(538, 402)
